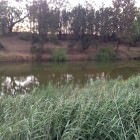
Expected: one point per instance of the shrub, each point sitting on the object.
(106, 54)
(59, 55)
(85, 42)
(71, 44)
(26, 36)
(1, 46)
(53, 39)
(37, 50)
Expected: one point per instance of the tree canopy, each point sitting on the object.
(53, 17)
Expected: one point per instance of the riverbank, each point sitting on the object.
(100, 110)
(16, 50)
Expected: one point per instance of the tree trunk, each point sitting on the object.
(117, 46)
(3, 27)
(10, 29)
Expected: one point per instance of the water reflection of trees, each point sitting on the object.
(77, 78)
(13, 85)
(17, 85)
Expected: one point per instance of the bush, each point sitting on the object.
(59, 55)
(71, 44)
(37, 50)
(26, 36)
(54, 39)
(85, 42)
(1, 46)
(106, 54)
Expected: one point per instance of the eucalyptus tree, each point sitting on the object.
(10, 16)
(53, 21)
(125, 13)
(106, 23)
(45, 16)
(90, 25)
(97, 22)
(65, 21)
(135, 30)
(3, 19)
(14, 16)
(78, 18)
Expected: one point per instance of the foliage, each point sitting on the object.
(83, 21)
(54, 39)
(10, 16)
(59, 55)
(38, 12)
(35, 38)
(101, 110)
(106, 54)
(54, 18)
(1, 46)
(78, 24)
(85, 42)
(135, 35)
(26, 36)
(37, 50)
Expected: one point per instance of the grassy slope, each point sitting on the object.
(19, 50)
(102, 110)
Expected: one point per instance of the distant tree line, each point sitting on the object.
(119, 22)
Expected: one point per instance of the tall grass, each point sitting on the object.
(59, 55)
(102, 110)
(106, 54)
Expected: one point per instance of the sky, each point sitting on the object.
(97, 3)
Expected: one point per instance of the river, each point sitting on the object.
(22, 78)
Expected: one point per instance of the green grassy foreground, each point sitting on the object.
(102, 110)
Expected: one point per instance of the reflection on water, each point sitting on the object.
(18, 85)
(23, 85)
(22, 78)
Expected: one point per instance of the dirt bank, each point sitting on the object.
(17, 50)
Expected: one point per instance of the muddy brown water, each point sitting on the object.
(22, 78)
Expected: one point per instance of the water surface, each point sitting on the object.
(22, 78)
